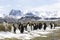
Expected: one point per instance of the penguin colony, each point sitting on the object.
(32, 26)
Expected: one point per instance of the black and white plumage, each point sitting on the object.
(35, 26)
(25, 27)
(51, 26)
(14, 28)
(28, 27)
(32, 26)
(54, 25)
(45, 26)
(22, 28)
(40, 26)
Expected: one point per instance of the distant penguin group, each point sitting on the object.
(20, 27)
(52, 25)
(31, 26)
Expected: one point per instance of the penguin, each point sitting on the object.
(25, 27)
(19, 26)
(14, 28)
(45, 26)
(35, 26)
(31, 27)
(40, 26)
(22, 28)
(28, 27)
(51, 25)
(54, 25)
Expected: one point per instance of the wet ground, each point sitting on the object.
(49, 34)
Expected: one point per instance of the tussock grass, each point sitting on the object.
(43, 38)
(52, 36)
(2, 28)
(58, 24)
(9, 28)
(11, 39)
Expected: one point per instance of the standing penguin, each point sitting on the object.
(25, 27)
(35, 26)
(19, 26)
(40, 25)
(54, 25)
(14, 28)
(22, 28)
(51, 25)
(45, 26)
(28, 27)
(31, 26)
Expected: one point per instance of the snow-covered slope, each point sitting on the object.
(30, 16)
(15, 13)
(48, 10)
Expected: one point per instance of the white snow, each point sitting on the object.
(26, 35)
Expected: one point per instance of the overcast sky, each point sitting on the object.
(26, 3)
(7, 5)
